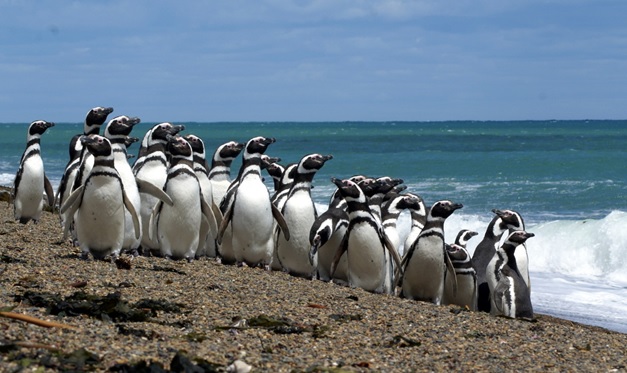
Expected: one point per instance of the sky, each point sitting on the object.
(314, 60)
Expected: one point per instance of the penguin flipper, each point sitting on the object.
(280, 221)
(225, 223)
(49, 192)
(397, 259)
(450, 270)
(153, 220)
(216, 213)
(209, 215)
(72, 199)
(149, 188)
(338, 255)
(131, 209)
(499, 295)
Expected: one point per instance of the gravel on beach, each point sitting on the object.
(152, 313)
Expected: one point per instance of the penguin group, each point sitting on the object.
(178, 201)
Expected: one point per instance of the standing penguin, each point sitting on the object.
(325, 237)
(249, 215)
(206, 246)
(300, 213)
(502, 221)
(425, 262)
(179, 228)
(98, 205)
(151, 167)
(460, 287)
(418, 214)
(117, 131)
(368, 251)
(30, 180)
(220, 172)
(509, 294)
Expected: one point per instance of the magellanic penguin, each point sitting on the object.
(418, 214)
(509, 294)
(220, 171)
(94, 118)
(250, 216)
(368, 250)
(206, 246)
(300, 214)
(179, 228)
(425, 262)
(30, 179)
(325, 237)
(390, 212)
(151, 168)
(98, 205)
(117, 131)
(502, 221)
(460, 287)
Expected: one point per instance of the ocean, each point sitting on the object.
(568, 179)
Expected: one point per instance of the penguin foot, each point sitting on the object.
(85, 255)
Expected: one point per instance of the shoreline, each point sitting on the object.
(159, 308)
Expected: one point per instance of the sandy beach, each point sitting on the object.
(148, 312)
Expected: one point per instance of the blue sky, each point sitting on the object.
(282, 60)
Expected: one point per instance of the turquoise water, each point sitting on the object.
(567, 178)
(546, 169)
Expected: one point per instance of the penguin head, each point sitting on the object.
(510, 219)
(120, 127)
(275, 170)
(415, 203)
(443, 209)
(312, 162)
(178, 147)
(97, 145)
(267, 161)
(519, 237)
(464, 236)
(289, 173)
(38, 127)
(128, 140)
(95, 118)
(161, 131)
(228, 151)
(198, 146)
(369, 186)
(349, 190)
(386, 184)
(257, 145)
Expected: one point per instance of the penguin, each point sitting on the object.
(300, 213)
(249, 215)
(285, 184)
(98, 205)
(275, 170)
(509, 293)
(425, 263)
(381, 187)
(325, 237)
(117, 131)
(94, 118)
(220, 171)
(390, 212)
(179, 228)
(30, 180)
(206, 246)
(151, 168)
(460, 287)
(502, 221)
(418, 214)
(367, 249)
(336, 195)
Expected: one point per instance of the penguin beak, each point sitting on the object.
(326, 158)
(108, 110)
(498, 212)
(48, 124)
(132, 140)
(87, 140)
(529, 235)
(337, 182)
(176, 129)
(133, 121)
(456, 206)
(269, 140)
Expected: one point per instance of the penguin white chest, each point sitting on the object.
(423, 278)
(366, 258)
(29, 196)
(299, 214)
